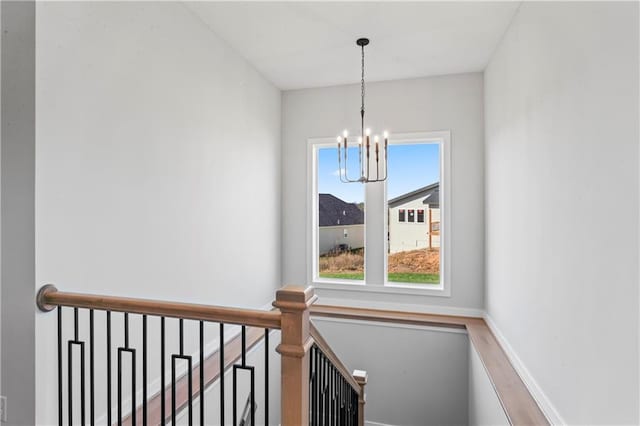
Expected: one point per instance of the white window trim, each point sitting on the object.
(379, 284)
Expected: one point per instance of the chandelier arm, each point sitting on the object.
(346, 177)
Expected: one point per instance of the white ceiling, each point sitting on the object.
(312, 44)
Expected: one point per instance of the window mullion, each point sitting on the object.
(375, 241)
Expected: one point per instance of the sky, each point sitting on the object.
(411, 166)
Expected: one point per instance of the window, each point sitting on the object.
(408, 212)
(414, 182)
(339, 226)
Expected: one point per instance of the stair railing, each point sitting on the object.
(337, 396)
(306, 361)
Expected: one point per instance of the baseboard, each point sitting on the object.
(534, 389)
(372, 423)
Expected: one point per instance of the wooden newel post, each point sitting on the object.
(361, 378)
(294, 303)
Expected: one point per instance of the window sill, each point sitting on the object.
(397, 288)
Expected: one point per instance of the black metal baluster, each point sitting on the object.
(92, 369)
(221, 352)
(133, 384)
(321, 391)
(201, 373)
(233, 405)
(126, 330)
(244, 345)
(109, 368)
(314, 388)
(133, 374)
(173, 391)
(174, 408)
(60, 366)
(163, 412)
(333, 394)
(181, 336)
(266, 377)
(144, 370)
(327, 406)
(71, 343)
(253, 397)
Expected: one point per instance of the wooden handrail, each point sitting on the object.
(331, 355)
(49, 297)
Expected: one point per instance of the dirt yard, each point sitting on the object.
(421, 261)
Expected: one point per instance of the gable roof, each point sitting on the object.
(430, 195)
(332, 211)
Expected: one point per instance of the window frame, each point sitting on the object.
(376, 278)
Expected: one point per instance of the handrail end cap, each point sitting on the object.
(41, 297)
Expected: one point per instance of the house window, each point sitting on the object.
(414, 181)
(413, 256)
(339, 220)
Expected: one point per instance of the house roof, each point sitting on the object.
(332, 211)
(430, 195)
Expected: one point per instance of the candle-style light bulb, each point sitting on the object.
(345, 133)
(376, 139)
(339, 139)
(367, 132)
(385, 134)
(359, 140)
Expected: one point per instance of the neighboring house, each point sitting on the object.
(341, 224)
(414, 219)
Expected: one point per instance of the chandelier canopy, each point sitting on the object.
(365, 161)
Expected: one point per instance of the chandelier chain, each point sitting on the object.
(362, 94)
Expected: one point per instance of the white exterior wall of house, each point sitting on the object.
(331, 236)
(404, 236)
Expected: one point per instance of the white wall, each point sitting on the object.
(17, 244)
(416, 375)
(484, 405)
(152, 134)
(562, 136)
(442, 103)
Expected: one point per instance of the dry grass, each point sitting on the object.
(343, 262)
(414, 261)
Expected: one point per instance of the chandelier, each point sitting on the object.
(366, 174)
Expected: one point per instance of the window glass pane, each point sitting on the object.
(340, 227)
(414, 186)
